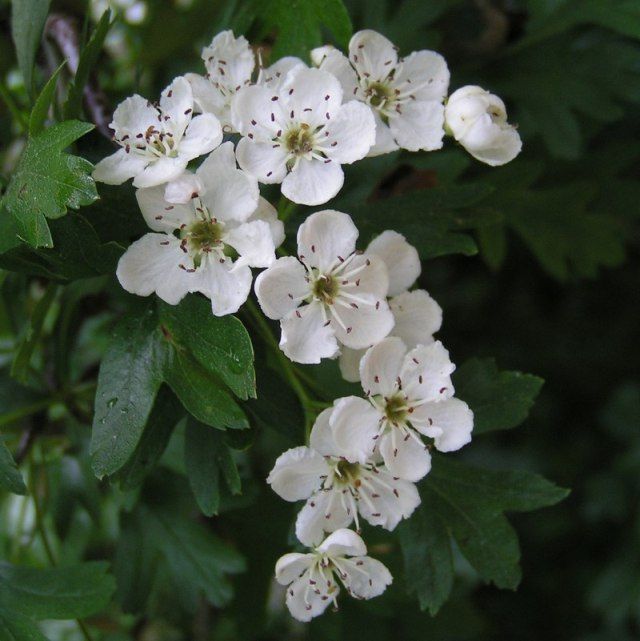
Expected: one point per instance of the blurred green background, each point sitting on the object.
(554, 291)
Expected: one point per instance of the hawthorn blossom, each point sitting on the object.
(299, 133)
(477, 119)
(330, 295)
(417, 316)
(337, 488)
(207, 244)
(405, 94)
(312, 578)
(157, 141)
(409, 393)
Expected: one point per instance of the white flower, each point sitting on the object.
(417, 316)
(207, 244)
(409, 393)
(329, 295)
(299, 133)
(406, 94)
(477, 119)
(157, 141)
(311, 578)
(338, 491)
(229, 62)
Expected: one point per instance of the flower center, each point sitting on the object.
(378, 94)
(396, 410)
(299, 140)
(325, 289)
(346, 473)
(204, 235)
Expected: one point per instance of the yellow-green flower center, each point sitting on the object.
(396, 410)
(325, 289)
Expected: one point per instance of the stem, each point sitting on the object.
(288, 369)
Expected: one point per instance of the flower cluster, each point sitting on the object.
(296, 125)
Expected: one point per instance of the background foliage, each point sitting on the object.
(535, 264)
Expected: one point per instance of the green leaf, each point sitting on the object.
(299, 24)
(88, 59)
(48, 181)
(193, 552)
(15, 627)
(166, 414)
(207, 457)
(130, 376)
(33, 331)
(220, 344)
(43, 102)
(56, 593)
(432, 219)
(201, 395)
(10, 477)
(499, 400)
(27, 22)
(472, 503)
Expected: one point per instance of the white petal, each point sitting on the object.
(160, 171)
(274, 75)
(366, 577)
(183, 189)
(323, 512)
(505, 145)
(229, 193)
(385, 142)
(176, 102)
(313, 182)
(254, 244)
(133, 116)
(306, 338)
(428, 74)
(161, 215)
(326, 238)
(351, 133)
(449, 423)
(280, 288)
(257, 110)
(225, 285)
(426, 373)
(364, 326)
(311, 94)
(262, 160)
(321, 438)
(336, 63)
(343, 542)
(229, 59)
(404, 456)
(417, 317)
(355, 424)
(202, 136)
(267, 212)
(152, 264)
(296, 473)
(290, 566)
(381, 365)
(371, 53)
(365, 275)
(119, 167)
(388, 508)
(350, 363)
(419, 125)
(208, 99)
(401, 259)
(305, 604)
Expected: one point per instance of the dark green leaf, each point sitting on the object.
(10, 477)
(88, 58)
(27, 22)
(15, 627)
(201, 394)
(220, 344)
(207, 457)
(130, 376)
(56, 593)
(166, 413)
(48, 181)
(43, 102)
(499, 400)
